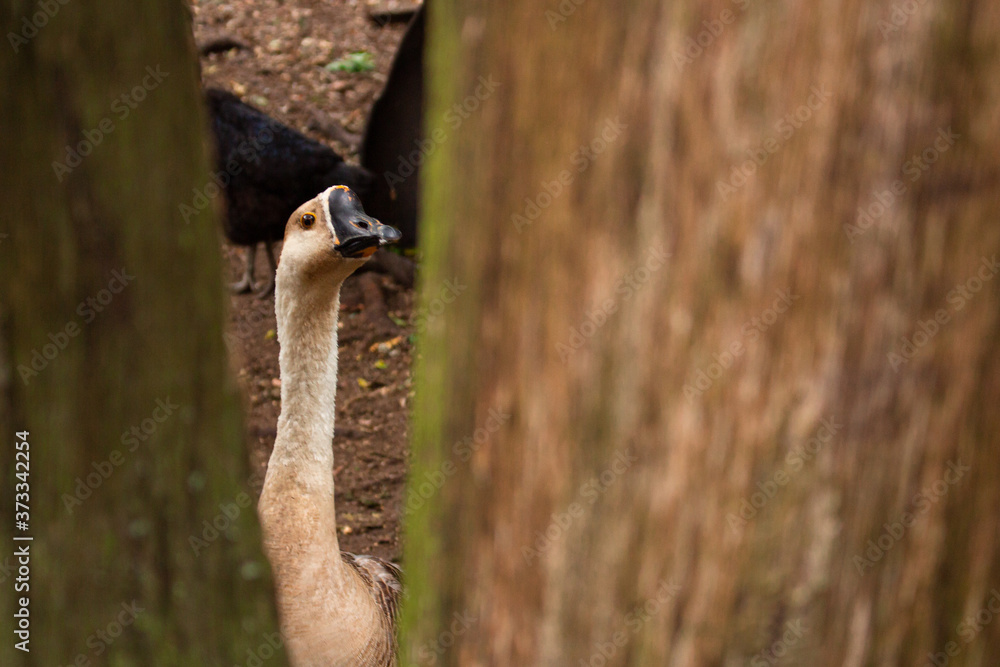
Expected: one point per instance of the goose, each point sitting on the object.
(334, 608)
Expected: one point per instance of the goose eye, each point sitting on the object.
(308, 219)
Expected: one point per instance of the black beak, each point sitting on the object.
(355, 231)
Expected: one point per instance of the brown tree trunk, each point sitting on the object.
(111, 352)
(744, 421)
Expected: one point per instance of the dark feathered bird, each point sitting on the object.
(393, 147)
(271, 170)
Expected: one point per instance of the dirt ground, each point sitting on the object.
(282, 72)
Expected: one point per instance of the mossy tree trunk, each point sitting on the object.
(111, 351)
(731, 273)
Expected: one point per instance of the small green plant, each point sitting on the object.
(359, 61)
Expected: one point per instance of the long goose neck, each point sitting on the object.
(303, 449)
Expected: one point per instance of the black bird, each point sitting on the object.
(394, 137)
(271, 170)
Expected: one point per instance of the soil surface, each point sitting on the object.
(282, 72)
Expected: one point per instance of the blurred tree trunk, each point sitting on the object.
(781, 442)
(111, 352)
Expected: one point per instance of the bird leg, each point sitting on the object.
(267, 287)
(246, 283)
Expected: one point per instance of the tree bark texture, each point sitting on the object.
(722, 387)
(146, 547)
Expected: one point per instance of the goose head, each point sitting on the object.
(330, 236)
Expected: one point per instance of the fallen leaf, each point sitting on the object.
(386, 345)
(359, 61)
